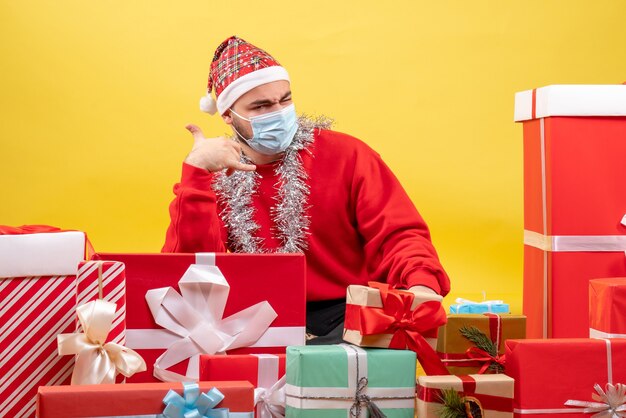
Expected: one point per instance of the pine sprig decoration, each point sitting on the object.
(453, 404)
(480, 340)
(456, 406)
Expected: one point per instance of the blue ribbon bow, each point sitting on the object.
(193, 403)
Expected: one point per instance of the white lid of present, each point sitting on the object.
(41, 254)
(571, 100)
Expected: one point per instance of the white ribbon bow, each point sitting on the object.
(97, 362)
(270, 402)
(611, 403)
(195, 315)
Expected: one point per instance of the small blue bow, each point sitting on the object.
(193, 403)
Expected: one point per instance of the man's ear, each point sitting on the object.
(228, 118)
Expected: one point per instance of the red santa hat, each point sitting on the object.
(237, 68)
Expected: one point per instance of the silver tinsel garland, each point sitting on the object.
(291, 222)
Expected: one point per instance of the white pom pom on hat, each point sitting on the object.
(207, 104)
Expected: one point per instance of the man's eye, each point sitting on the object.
(287, 99)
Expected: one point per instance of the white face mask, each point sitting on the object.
(271, 132)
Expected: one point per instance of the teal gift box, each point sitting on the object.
(464, 306)
(342, 381)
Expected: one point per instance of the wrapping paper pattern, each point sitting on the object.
(33, 310)
(104, 280)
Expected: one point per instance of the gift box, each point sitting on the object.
(104, 280)
(377, 316)
(574, 200)
(346, 380)
(607, 308)
(265, 371)
(549, 373)
(220, 292)
(144, 399)
(464, 306)
(37, 302)
(492, 395)
(458, 345)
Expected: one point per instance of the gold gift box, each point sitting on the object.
(451, 343)
(493, 394)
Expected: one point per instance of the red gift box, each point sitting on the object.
(607, 308)
(37, 302)
(550, 372)
(262, 370)
(574, 200)
(253, 278)
(132, 399)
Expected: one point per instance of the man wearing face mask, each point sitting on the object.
(284, 183)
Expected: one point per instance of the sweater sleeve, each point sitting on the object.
(194, 223)
(396, 239)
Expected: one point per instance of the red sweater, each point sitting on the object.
(363, 225)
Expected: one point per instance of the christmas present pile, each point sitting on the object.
(78, 333)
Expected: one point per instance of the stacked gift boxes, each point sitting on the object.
(575, 233)
(574, 200)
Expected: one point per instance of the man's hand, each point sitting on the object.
(215, 154)
(422, 289)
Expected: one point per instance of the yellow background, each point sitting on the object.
(94, 97)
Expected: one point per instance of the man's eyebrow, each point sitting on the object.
(265, 101)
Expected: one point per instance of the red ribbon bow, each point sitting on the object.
(37, 229)
(27, 229)
(406, 325)
(486, 359)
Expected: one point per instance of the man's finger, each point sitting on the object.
(195, 131)
(244, 167)
(237, 146)
(241, 167)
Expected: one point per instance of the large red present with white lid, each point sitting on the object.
(37, 302)
(180, 306)
(574, 200)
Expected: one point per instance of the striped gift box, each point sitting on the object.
(37, 302)
(104, 280)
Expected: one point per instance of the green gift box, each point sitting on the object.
(343, 381)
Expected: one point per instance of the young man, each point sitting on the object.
(289, 184)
